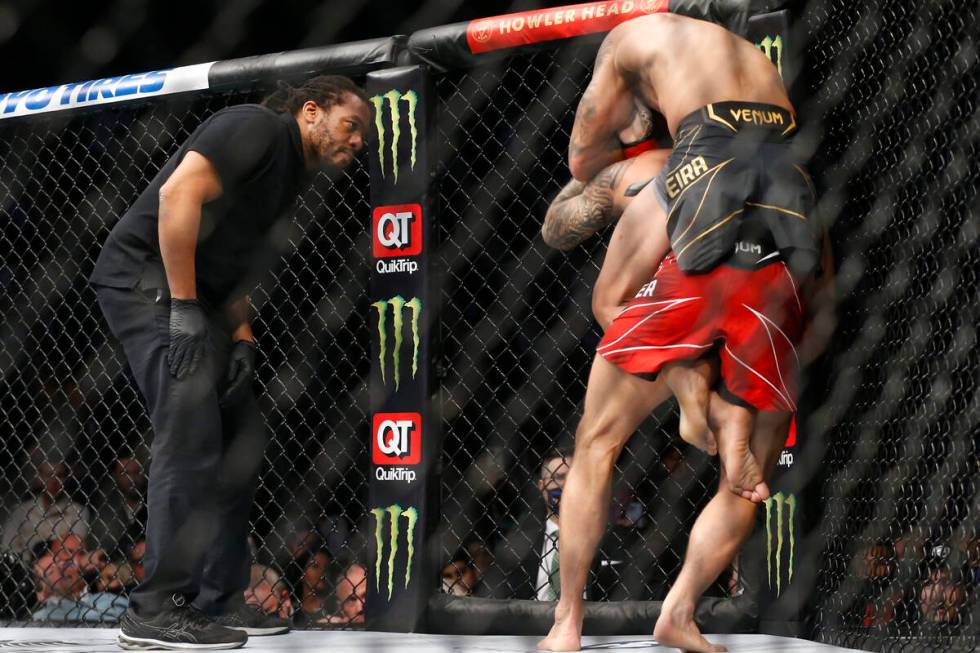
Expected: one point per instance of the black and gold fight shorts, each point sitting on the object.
(733, 161)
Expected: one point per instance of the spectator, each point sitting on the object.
(877, 566)
(120, 517)
(350, 594)
(972, 553)
(49, 515)
(123, 576)
(480, 557)
(459, 576)
(526, 559)
(314, 592)
(268, 592)
(63, 593)
(941, 599)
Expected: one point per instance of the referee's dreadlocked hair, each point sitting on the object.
(325, 90)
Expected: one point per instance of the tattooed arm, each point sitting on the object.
(606, 107)
(581, 209)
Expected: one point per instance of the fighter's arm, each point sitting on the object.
(606, 107)
(193, 183)
(581, 209)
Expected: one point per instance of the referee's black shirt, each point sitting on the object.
(258, 155)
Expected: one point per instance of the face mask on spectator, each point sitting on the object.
(554, 499)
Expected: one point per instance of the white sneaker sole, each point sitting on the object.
(261, 632)
(148, 644)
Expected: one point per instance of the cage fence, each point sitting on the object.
(888, 98)
(892, 91)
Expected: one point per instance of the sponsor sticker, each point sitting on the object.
(397, 231)
(104, 91)
(399, 524)
(389, 108)
(397, 439)
(780, 536)
(391, 331)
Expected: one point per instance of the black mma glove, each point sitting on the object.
(241, 371)
(188, 337)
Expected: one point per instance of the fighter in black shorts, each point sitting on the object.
(731, 185)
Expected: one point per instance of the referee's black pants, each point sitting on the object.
(205, 462)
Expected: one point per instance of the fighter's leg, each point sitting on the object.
(637, 246)
(719, 532)
(615, 404)
(690, 382)
(734, 426)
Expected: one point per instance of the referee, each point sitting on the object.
(172, 280)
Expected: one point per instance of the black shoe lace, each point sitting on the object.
(189, 615)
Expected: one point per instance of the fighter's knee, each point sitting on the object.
(597, 444)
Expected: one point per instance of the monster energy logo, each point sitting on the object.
(773, 48)
(394, 100)
(394, 514)
(397, 303)
(780, 502)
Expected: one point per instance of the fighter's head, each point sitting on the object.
(332, 113)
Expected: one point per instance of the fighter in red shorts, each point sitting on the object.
(731, 194)
(583, 208)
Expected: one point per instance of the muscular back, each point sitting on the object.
(680, 64)
(676, 65)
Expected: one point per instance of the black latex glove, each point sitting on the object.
(188, 337)
(241, 371)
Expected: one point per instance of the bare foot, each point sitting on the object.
(561, 639)
(565, 635)
(690, 385)
(676, 628)
(744, 474)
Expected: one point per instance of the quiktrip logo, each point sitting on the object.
(398, 305)
(397, 232)
(786, 458)
(394, 100)
(391, 517)
(784, 536)
(397, 439)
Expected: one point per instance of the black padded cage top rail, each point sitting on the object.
(887, 551)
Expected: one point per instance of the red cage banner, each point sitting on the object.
(524, 28)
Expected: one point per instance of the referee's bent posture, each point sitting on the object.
(172, 280)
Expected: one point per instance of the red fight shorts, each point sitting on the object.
(754, 317)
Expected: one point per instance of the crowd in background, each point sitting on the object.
(911, 581)
(83, 558)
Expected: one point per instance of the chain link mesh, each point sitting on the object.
(894, 89)
(892, 114)
(73, 420)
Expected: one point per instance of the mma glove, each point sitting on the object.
(188, 337)
(241, 371)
